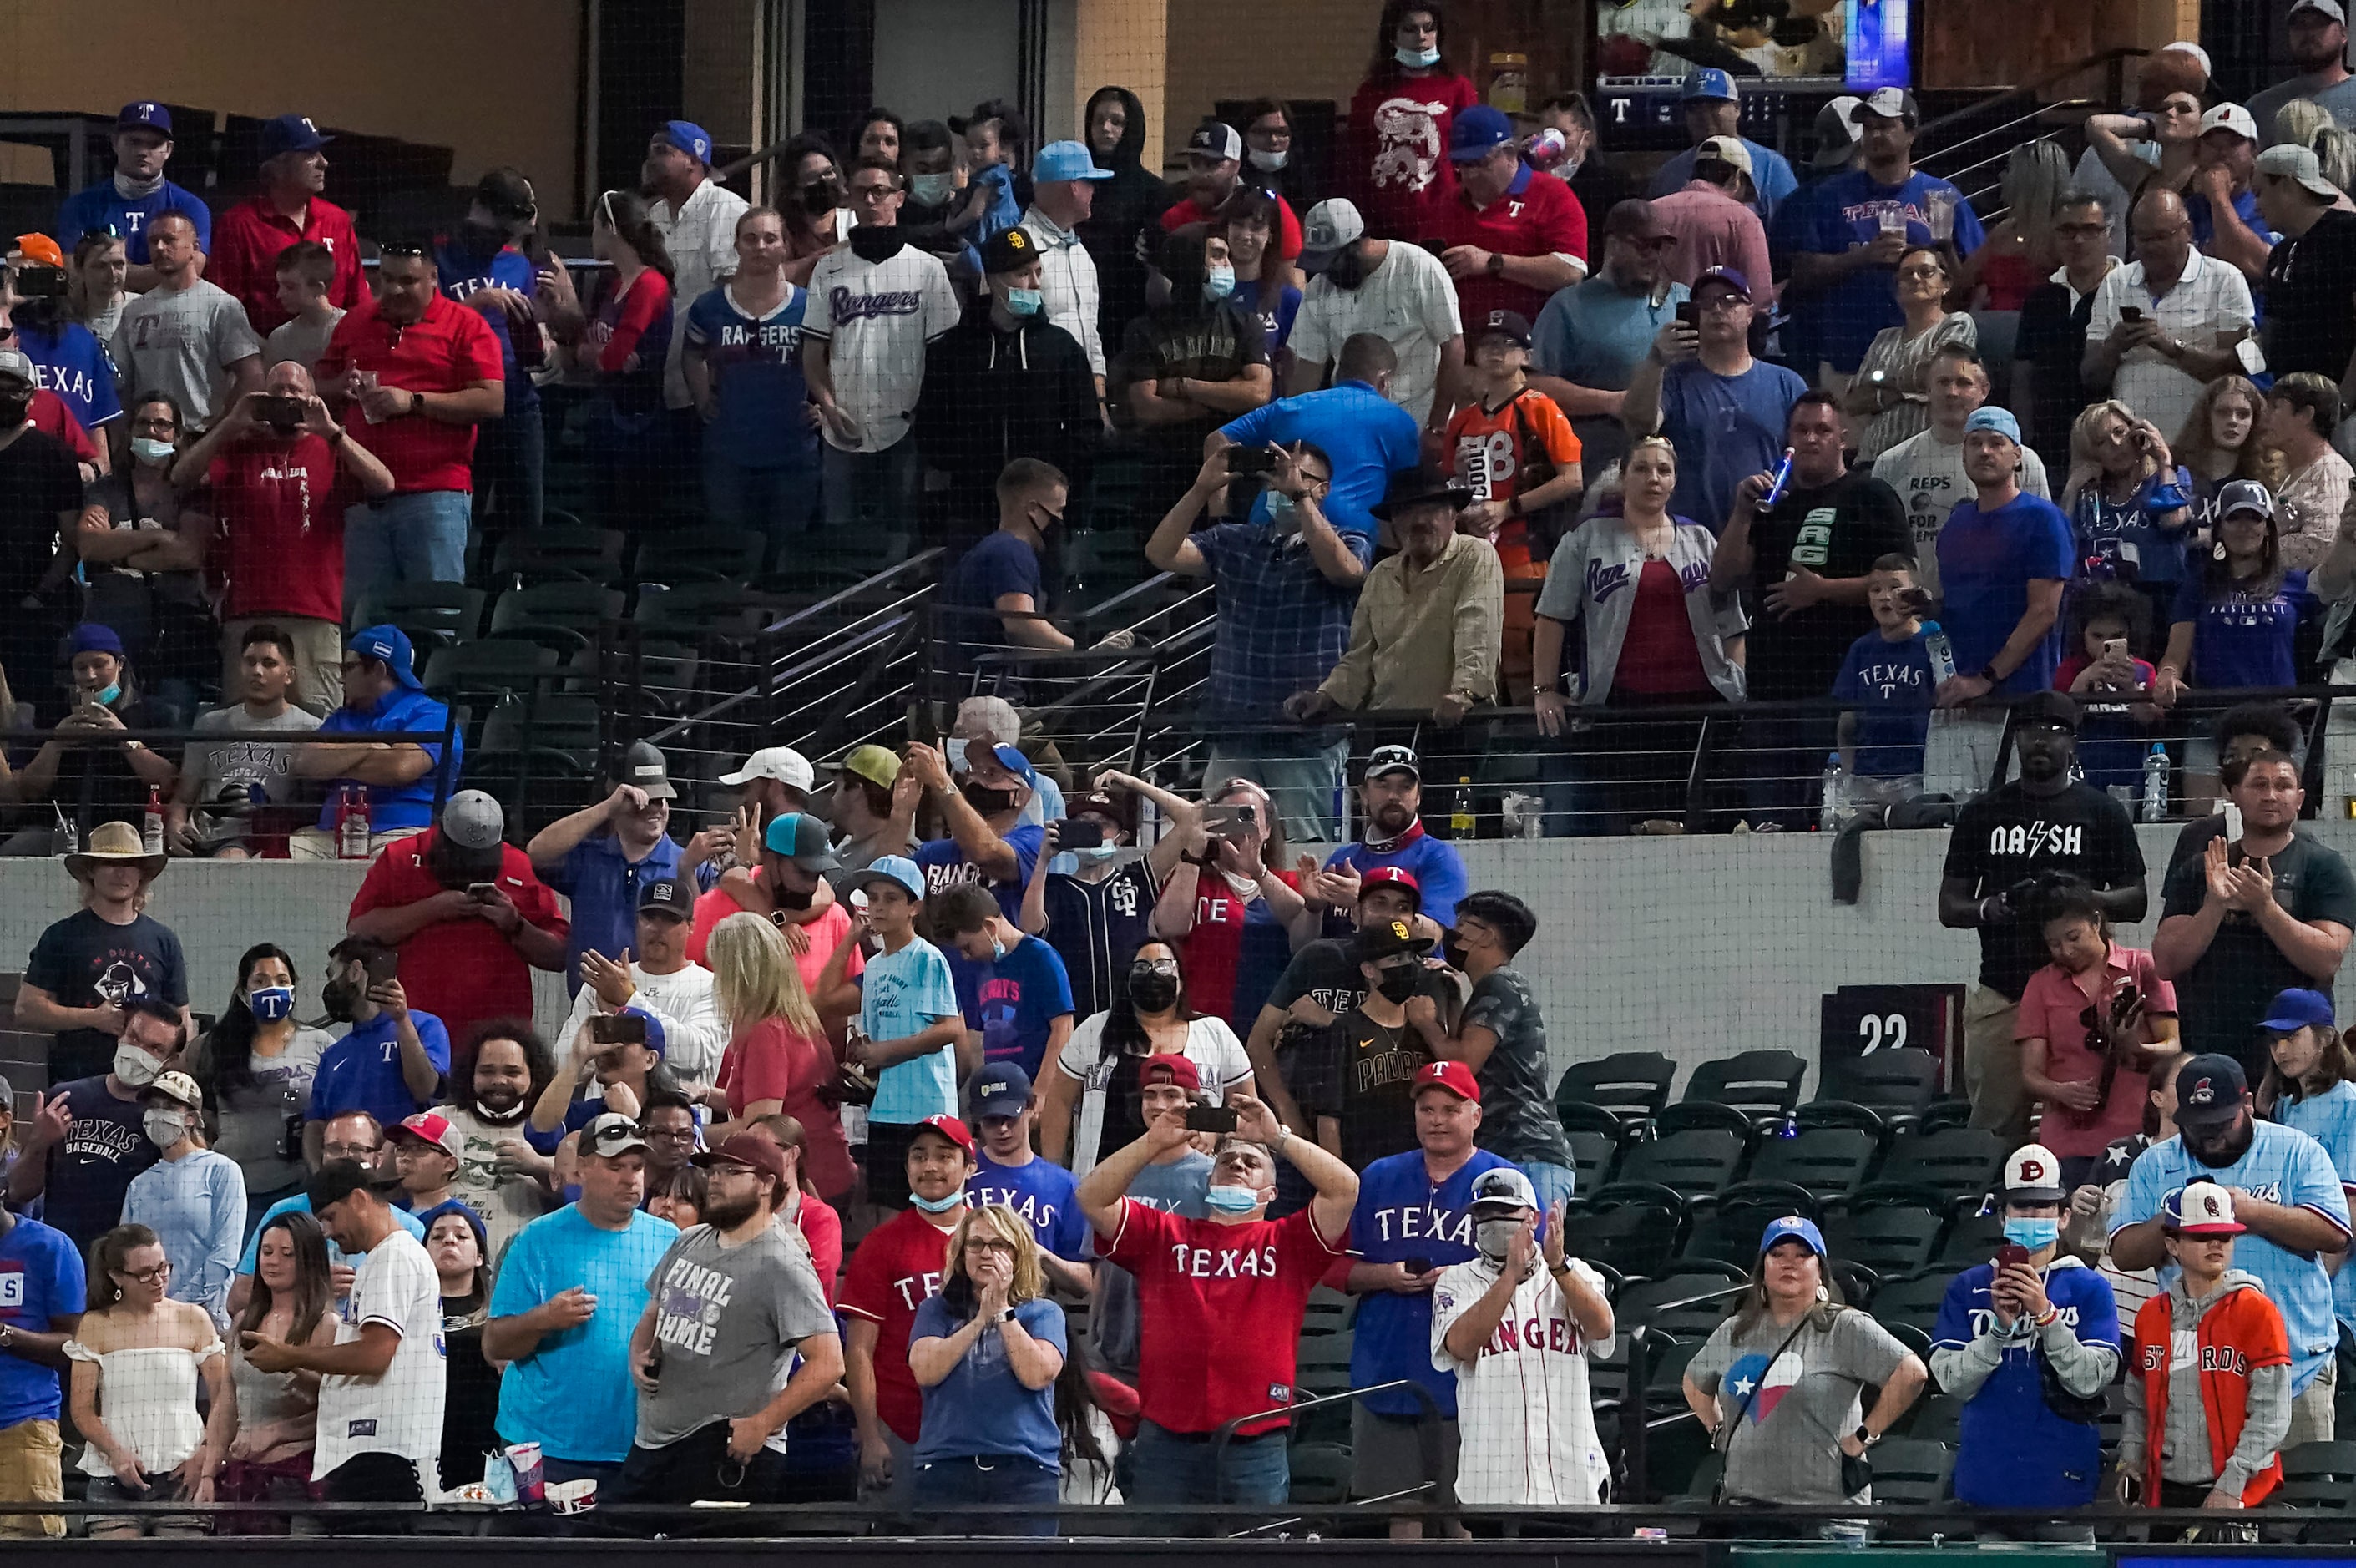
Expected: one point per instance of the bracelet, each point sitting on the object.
(1283, 1137)
(2051, 1316)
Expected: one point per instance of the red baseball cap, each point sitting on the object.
(1391, 877)
(1453, 1076)
(1171, 1069)
(952, 1129)
(433, 1128)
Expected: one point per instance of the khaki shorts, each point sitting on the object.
(1992, 1064)
(31, 1469)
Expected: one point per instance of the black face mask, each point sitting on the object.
(873, 244)
(341, 998)
(1396, 984)
(787, 898)
(1151, 990)
(1346, 270)
(988, 802)
(1453, 951)
(14, 411)
(820, 196)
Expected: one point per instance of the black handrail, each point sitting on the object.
(1635, 1436)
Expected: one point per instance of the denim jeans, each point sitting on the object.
(1303, 775)
(945, 1485)
(416, 538)
(1553, 1182)
(778, 502)
(511, 460)
(877, 489)
(1176, 1467)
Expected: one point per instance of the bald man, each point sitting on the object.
(2165, 325)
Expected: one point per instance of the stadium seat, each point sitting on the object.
(1701, 1115)
(560, 555)
(1696, 1163)
(1320, 1474)
(1913, 1301)
(2320, 1477)
(1831, 1163)
(558, 733)
(701, 555)
(1595, 1137)
(1898, 1085)
(1957, 1162)
(1729, 1230)
(432, 615)
(565, 616)
(1910, 1471)
(1634, 1084)
(1935, 1418)
(1764, 1085)
(1634, 1233)
(643, 677)
(1329, 1311)
(490, 668)
(700, 612)
(1641, 1302)
(1889, 1239)
(1973, 1239)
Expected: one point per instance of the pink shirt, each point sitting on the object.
(1713, 230)
(2053, 1008)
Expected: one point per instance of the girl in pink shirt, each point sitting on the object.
(2089, 1026)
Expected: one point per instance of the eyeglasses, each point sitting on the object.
(680, 1136)
(989, 1244)
(359, 1151)
(1917, 275)
(1722, 304)
(155, 1275)
(1155, 966)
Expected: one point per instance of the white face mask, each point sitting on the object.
(163, 1128)
(135, 1067)
(1269, 161)
(1494, 1235)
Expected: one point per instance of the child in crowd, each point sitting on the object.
(993, 141)
(2113, 620)
(909, 1028)
(1887, 675)
(305, 270)
(2307, 1087)
(2090, 1075)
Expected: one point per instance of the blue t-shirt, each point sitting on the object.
(1001, 563)
(249, 1260)
(102, 206)
(1368, 437)
(401, 711)
(2330, 1118)
(1015, 1000)
(2015, 1452)
(1891, 683)
(1771, 174)
(2240, 638)
(2281, 1165)
(42, 1279)
(1725, 429)
(463, 274)
(604, 886)
(1044, 1194)
(1595, 333)
(1987, 560)
(981, 1409)
(67, 360)
(1845, 214)
(1003, 211)
(1435, 864)
(2124, 532)
(1275, 318)
(362, 1071)
(1401, 1215)
(759, 392)
(573, 1395)
(945, 865)
(903, 994)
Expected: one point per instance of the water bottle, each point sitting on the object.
(2155, 785)
(1942, 652)
(151, 825)
(1459, 811)
(1833, 798)
(352, 825)
(1780, 483)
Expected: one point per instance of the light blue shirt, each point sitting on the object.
(1770, 171)
(2330, 1118)
(196, 1208)
(1594, 333)
(301, 1204)
(903, 994)
(2281, 1165)
(573, 1395)
(1367, 438)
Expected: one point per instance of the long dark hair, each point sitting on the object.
(1124, 1032)
(538, 1060)
(227, 1057)
(1386, 63)
(314, 1289)
(2217, 580)
(1752, 1307)
(1075, 1403)
(633, 223)
(106, 1255)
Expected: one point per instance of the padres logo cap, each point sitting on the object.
(2033, 1175)
(1007, 250)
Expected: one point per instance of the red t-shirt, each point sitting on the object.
(1288, 226)
(826, 934)
(896, 1269)
(2051, 1007)
(447, 350)
(244, 256)
(1659, 657)
(279, 507)
(771, 1061)
(1219, 1311)
(460, 971)
(50, 417)
(1214, 947)
(1538, 216)
(821, 1228)
(1398, 145)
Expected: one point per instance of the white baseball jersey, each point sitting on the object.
(399, 1412)
(878, 318)
(1526, 1425)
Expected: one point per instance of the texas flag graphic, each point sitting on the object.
(1763, 1386)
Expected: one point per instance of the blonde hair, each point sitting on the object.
(1029, 1282)
(1660, 442)
(2298, 120)
(2087, 428)
(2036, 174)
(755, 978)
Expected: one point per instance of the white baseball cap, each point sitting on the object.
(782, 763)
(2033, 1175)
(2328, 7)
(1726, 150)
(2230, 117)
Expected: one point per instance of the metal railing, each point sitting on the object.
(1965, 149)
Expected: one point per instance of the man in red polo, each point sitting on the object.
(419, 372)
(247, 240)
(1513, 236)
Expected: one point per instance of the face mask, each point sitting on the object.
(875, 244)
(341, 998)
(786, 899)
(2033, 1234)
(931, 190)
(988, 802)
(1494, 1235)
(1396, 984)
(1153, 991)
(1269, 162)
(1346, 270)
(1023, 302)
(996, 949)
(938, 1205)
(149, 450)
(135, 1067)
(1415, 60)
(163, 1128)
(820, 196)
(271, 1003)
(1283, 514)
(1231, 1199)
(1453, 951)
(113, 691)
(954, 749)
(1219, 283)
(1098, 852)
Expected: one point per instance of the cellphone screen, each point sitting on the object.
(1210, 1119)
(384, 968)
(617, 1029)
(2010, 1253)
(1079, 833)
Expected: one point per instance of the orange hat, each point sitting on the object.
(40, 250)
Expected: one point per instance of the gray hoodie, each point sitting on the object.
(2185, 1451)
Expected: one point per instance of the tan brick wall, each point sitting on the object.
(1121, 43)
(1287, 48)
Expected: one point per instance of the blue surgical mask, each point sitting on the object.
(1231, 1199)
(1219, 283)
(996, 949)
(1024, 301)
(931, 190)
(107, 696)
(1098, 852)
(954, 750)
(148, 450)
(1267, 160)
(938, 1205)
(2033, 1234)
(271, 1003)
(1417, 60)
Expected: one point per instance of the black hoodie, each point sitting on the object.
(1132, 199)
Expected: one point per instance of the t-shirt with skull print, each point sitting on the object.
(86, 961)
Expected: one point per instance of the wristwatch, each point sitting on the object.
(1988, 674)
(1496, 265)
(1866, 1439)
(1004, 1318)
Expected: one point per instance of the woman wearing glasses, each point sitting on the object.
(137, 1356)
(1893, 390)
(1090, 1096)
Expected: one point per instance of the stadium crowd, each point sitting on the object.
(934, 1133)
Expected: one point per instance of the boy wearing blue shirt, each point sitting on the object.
(1013, 989)
(2001, 1325)
(393, 1062)
(130, 199)
(1007, 1173)
(42, 1294)
(909, 1024)
(1888, 674)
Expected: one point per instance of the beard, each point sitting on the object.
(1392, 817)
(721, 1214)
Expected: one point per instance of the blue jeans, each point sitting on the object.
(946, 1485)
(778, 502)
(416, 538)
(1554, 1183)
(1176, 1468)
(878, 489)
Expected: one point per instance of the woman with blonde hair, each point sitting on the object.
(2021, 249)
(2129, 504)
(778, 1058)
(2304, 122)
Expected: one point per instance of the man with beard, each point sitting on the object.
(2317, 37)
(789, 887)
(654, 975)
(1389, 799)
(359, 1072)
(481, 267)
(2284, 1191)
(497, 1074)
(2009, 846)
(430, 897)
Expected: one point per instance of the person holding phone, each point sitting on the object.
(2028, 1342)
(2089, 1026)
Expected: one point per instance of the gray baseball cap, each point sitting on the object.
(644, 767)
(472, 820)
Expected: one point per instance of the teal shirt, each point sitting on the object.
(573, 1395)
(900, 995)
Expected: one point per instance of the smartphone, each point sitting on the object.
(1251, 460)
(2115, 647)
(32, 281)
(617, 1029)
(1080, 832)
(1416, 1266)
(2130, 313)
(383, 967)
(1688, 313)
(1210, 1119)
(480, 892)
(1917, 599)
(2010, 1254)
(1229, 822)
(285, 411)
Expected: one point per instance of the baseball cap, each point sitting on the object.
(1477, 131)
(1391, 877)
(2296, 1009)
(1012, 759)
(1793, 1227)
(1505, 323)
(177, 1086)
(1169, 1067)
(610, 1133)
(1213, 139)
(1636, 220)
(897, 869)
(1000, 1088)
(339, 1179)
(290, 134)
(2297, 164)
(1387, 938)
(689, 137)
(1395, 758)
(1332, 224)
(1008, 249)
(2328, 7)
(1709, 83)
(644, 767)
(1453, 1076)
(667, 895)
(877, 764)
(948, 1127)
(1889, 103)
(2048, 707)
(2230, 117)
(2199, 1208)
(473, 820)
(389, 646)
(1065, 160)
(18, 364)
(40, 250)
(1837, 131)
(93, 636)
(745, 1149)
(1987, 416)
(1726, 150)
(2032, 1174)
(1502, 1186)
(1114, 810)
(431, 1127)
(800, 838)
(2210, 1089)
(1728, 277)
(2247, 494)
(155, 117)
(781, 763)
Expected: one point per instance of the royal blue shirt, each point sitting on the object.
(603, 885)
(1275, 315)
(945, 865)
(1724, 429)
(463, 274)
(2015, 1452)
(42, 1280)
(1844, 213)
(2126, 534)
(362, 1071)
(757, 387)
(1001, 564)
(2241, 637)
(1435, 864)
(1891, 683)
(981, 1410)
(403, 710)
(1401, 1215)
(102, 208)
(67, 360)
(1042, 1193)
(1368, 437)
(1015, 1000)
(1987, 560)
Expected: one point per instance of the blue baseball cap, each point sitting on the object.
(1990, 417)
(2294, 1010)
(153, 116)
(1734, 278)
(389, 646)
(1709, 84)
(689, 137)
(893, 868)
(800, 838)
(655, 1041)
(1478, 131)
(1065, 160)
(1014, 762)
(291, 133)
(1794, 1228)
(1000, 1088)
(93, 636)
